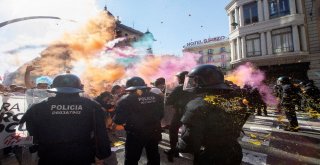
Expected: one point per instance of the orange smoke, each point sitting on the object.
(91, 39)
(82, 45)
(97, 79)
(148, 67)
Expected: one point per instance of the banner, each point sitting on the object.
(12, 109)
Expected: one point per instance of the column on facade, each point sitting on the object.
(295, 38)
(232, 50)
(230, 22)
(269, 43)
(266, 9)
(241, 17)
(299, 6)
(303, 38)
(238, 48)
(293, 8)
(260, 11)
(243, 47)
(236, 15)
(263, 44)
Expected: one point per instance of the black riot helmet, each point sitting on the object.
(283, 80)
(66, 83)
(203, 78)
(181, 76)
(135, 83)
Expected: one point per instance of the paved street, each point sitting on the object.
(264, 142)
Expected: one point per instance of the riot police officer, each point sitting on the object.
(63, 126)
(141, 112)
(178, 98)
(289, 94)
(213, 120)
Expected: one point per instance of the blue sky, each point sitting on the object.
(173, 22)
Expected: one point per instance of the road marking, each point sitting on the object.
(255, 158)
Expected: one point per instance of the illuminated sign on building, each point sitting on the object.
(204, 41)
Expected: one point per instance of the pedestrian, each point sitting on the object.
(289, 94)
(62, 126)
(213, 120)
(178, 98)
(141, 112)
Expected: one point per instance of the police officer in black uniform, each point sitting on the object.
(213, 120)
(289, 94)
(178, 98)
(311, 96)
(141, 112)
(68, 129)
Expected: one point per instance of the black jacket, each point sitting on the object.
(68, 129)
(179, 98)
(141, 114)
(289, 95)
(212, 120)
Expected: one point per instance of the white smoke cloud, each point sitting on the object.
(39, 31)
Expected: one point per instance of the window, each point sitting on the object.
(222, 49)
(253, 45)
(250, 12)
(200, 61)
(223, 65)
(210, 51)
(278, 8)
(233, 18)
(222, 56)
(282, 40)
(209, 59)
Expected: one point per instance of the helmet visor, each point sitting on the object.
(189, 83)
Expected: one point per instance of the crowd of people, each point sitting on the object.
(70, 129)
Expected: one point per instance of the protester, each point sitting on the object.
(105, 99)
(62, 126)
(159, 86)
(213, 120)
(178, 98)
(36, 93)
(141, 112)
(42, 82)
(2, 88)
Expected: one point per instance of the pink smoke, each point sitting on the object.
(248, 74)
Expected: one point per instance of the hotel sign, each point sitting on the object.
(204, 41)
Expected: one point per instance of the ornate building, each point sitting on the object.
(281, 37)
(214, 51)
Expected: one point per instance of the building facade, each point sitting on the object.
(281, 37)
(214, 51)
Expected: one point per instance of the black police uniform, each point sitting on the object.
(178, 98)
(258, 102)
(141, 113)
(68, 129)
(213, 120)
(215, 128)
(311, 97)
(288, 95)
(63, 126)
